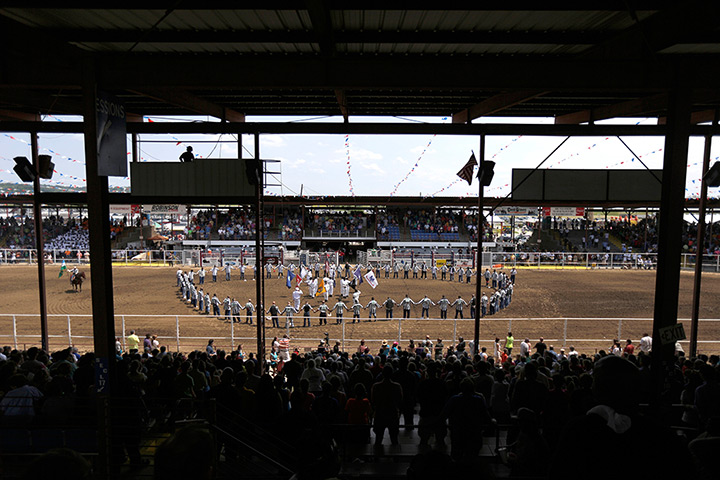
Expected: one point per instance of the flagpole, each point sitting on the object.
(481, 221)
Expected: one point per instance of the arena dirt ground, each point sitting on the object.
(542, 300)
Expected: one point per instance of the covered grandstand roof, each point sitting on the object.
(575, 61)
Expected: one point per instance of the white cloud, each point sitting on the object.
(401, 160)
(360, 154)
(272, 141)
(363, 154)
(418, 150)
(295, 163)
(317, 170)
(373, 167)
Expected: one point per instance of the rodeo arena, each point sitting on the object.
(187, 295)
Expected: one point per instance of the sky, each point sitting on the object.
(371, 165)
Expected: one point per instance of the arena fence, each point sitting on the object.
(176, 331)
(192, 258)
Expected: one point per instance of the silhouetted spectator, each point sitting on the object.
(386, 398)
(467, 415)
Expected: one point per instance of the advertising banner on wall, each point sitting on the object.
(124, 209)
(163, 209)
(111, 136)
(563, 211)
(515, 211)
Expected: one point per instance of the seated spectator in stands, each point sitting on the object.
(19, 405)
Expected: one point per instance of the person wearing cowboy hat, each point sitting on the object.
(383, 348)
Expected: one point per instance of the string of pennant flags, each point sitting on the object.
(78, 182)
(347, 151)
(412, 170)
(417, 162)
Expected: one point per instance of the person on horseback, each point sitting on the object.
(73, 272)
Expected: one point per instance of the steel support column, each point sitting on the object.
(39, 245)
(699, 247)
(259, 277)
(481, 221)
(101, 279)
(667, 280)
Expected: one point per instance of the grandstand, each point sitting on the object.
(325, 68)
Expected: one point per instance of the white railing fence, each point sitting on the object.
(191, 258)
(596, 260)
(189, 332)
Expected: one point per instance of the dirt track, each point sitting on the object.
(540, 294)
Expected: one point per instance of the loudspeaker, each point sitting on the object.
(46, 167)
(486, 173)
(252, 169)
(712, 177)
(24, 169)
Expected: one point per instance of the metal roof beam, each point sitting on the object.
(44, 103)
(301, 128)
(637, 107)
(420, 5)
(361, 72)
(303, 37)
(192, 103)
(13, 115)
(495, 104)
(663, 29)
(702, 116)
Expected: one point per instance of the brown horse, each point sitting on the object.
(77, 280)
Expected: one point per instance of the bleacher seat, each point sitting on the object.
(394, 233)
